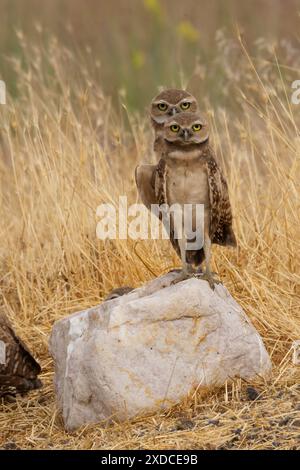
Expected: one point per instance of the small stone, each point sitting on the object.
(11, 445)
(252, 393)
(215, 422)
(284, 421)
(237, 431)
(184, 424)
(43, 399)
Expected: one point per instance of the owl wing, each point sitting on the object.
(221, 231)
(145, 182)
(150, 182)
(18, 369)
(160, 182)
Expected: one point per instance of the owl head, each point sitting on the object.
(185, 129)
(169, 103)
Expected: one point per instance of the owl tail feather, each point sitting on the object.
(230, 239)
(225, 237)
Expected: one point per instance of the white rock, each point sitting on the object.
(150, 348)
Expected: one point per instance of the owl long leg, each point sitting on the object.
(208, 275)
(207, 252)
(187, 269)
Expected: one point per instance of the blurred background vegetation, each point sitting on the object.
(133, 47)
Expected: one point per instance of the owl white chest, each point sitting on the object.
(186, 182)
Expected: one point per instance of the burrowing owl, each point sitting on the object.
(188, 173)
(18, 369)
(168, 103)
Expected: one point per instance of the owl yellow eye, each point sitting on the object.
(162, 106)
(174, 128)
(184, 106)
(197, 127)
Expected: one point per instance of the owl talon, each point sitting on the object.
(199, 271)
(198, 274)
(183, 276)
(209, 277)
(175, 270)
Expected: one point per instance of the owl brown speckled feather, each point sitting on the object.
(18, 369)
(189, 174)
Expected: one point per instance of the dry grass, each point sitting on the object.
(63, 150)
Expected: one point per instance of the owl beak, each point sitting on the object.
(186, 135)
(172, 111)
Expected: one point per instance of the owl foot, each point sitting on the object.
(199, 271)
(175, 270)
(183, 276)
(210, 278)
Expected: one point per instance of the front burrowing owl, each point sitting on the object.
(188, 173)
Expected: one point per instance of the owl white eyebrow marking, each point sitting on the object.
(161, 102)
(187, 100)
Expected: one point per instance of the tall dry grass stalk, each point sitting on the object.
(63, 151)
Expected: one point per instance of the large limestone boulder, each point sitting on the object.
(149, 348)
